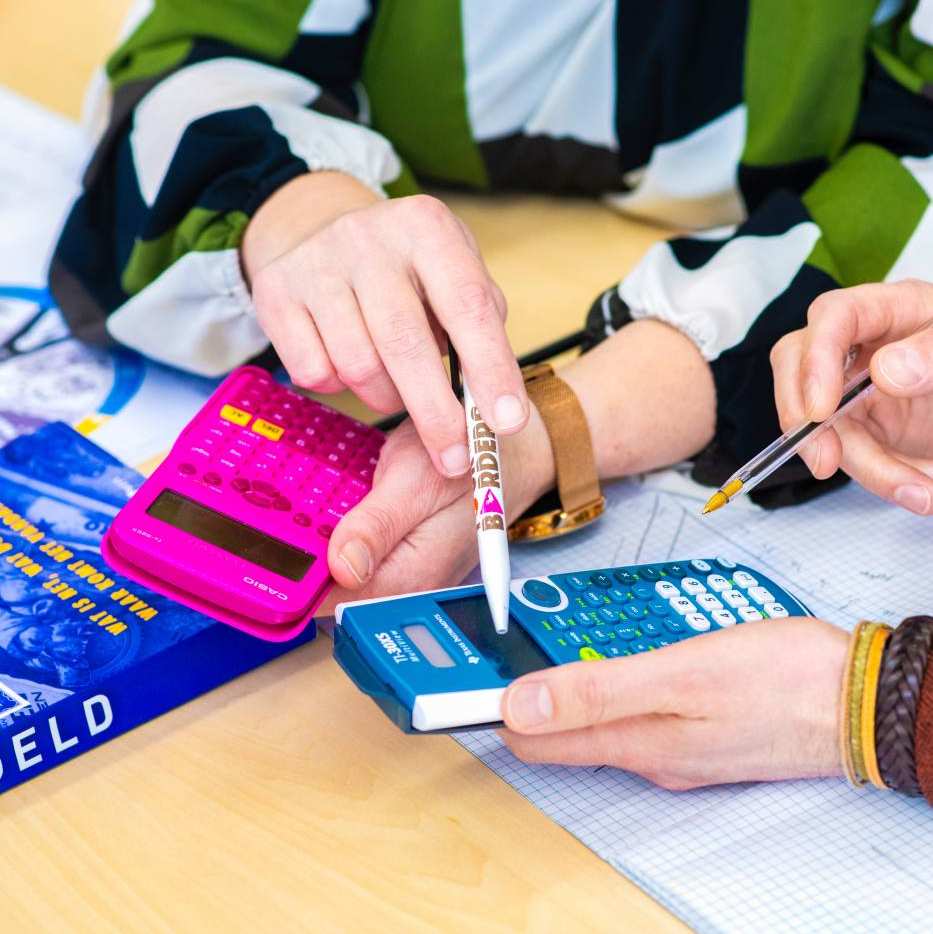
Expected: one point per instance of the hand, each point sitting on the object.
(415, 530)
(757, 702)
(364, 296)
(886, 441)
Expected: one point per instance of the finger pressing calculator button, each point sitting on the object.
(666, 590)
(267, 429)
(698, 564)
(302, 519)
(749, 614)
(723, 618)
(187, 469)
(697, 622)
(691, 586)
(600, 580)
(761, 595)
(230, 413)
(542, 593)
(744, 580)
(683, 606)
(734, 598)
(718, 583)
(708, 602)
(776, 610)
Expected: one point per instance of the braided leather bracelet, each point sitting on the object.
(902, 670)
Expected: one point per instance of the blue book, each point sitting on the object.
(85, 654)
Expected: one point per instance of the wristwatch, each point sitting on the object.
(578, 499)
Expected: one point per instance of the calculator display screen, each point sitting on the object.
(235, 537)
(513, 654)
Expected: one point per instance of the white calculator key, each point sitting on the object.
(749, 613)
(697, 621)
(718, 583)
(708, 601)
(692, 586)
(761, 595)
(725, 563)
(723, 617)
(776, 611)
(698, 564)
(683, 606)
(734, 598)
(666, 590)
(744, 580)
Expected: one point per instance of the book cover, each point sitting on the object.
(86, 654)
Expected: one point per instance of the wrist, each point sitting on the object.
(527, 465)
(296, 211)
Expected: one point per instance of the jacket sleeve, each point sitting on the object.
(863, 216)
(211, 106)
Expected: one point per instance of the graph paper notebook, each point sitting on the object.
(791, 856)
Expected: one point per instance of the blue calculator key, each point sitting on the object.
(600, 636)
(676, 570)
(558, 622)
(614, 651)
(575, 638)
(639, 645)
(649, 574)
(584, 618)
(600, 580)
(643, 591)
(650, 626)
(594, 598)
(608, 614)
(618, 596)
(577, 582)
(626, 631)
(541, 593)
(659, 608)
(673, 624)
(667, 640)
(634, 610)
(625, 577)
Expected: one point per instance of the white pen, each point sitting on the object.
(489, 509)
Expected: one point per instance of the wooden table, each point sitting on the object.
(285, 800)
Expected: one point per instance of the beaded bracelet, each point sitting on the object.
(902, 671)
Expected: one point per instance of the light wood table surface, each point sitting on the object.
(285, 800)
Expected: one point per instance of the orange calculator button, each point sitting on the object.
(230, 413)
(267, 429)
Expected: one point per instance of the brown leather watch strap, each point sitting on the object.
(577, 480)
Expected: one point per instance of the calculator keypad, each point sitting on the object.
(284, 452)
(623, 611)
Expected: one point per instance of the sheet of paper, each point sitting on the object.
(792, 856)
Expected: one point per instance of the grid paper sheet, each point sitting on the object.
(789, 856)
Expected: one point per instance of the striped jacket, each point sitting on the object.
(795, 137)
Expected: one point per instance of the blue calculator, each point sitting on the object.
(434, 663)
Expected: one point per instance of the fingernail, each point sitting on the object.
(811, 393)
(508, 412)
(455, 460)
(529, 705)
(903, 366)
(913, 497)
(356, 556)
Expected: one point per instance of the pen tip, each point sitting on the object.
(716, 501)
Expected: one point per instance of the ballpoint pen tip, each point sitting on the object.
(716, 501)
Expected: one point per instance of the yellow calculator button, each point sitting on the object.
(267, 429)
(588, 654)
(230, 413)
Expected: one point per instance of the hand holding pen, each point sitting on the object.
(885, 442)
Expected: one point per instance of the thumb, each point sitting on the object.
(407, 490)
(905, 368)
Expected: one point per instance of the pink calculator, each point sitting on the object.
(235, 522)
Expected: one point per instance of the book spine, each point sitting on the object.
(43, 739)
